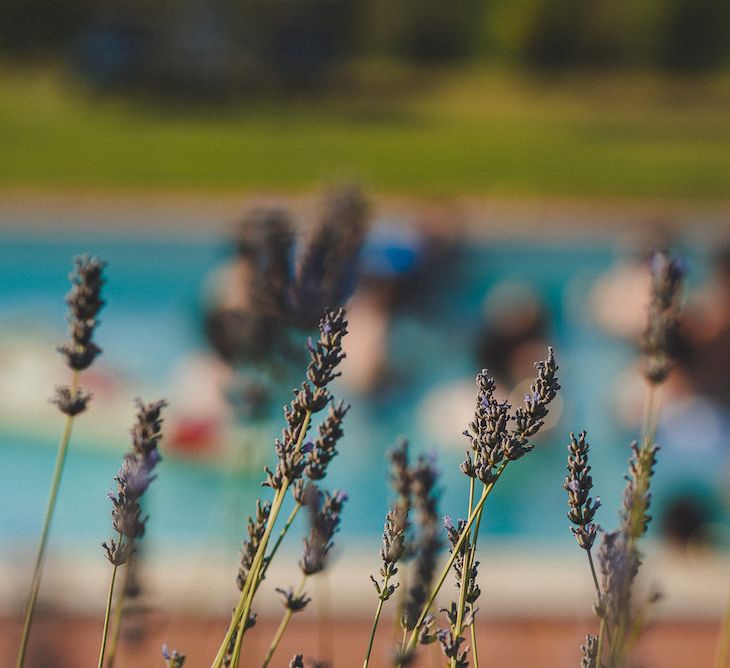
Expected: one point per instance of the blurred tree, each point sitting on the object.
(295, 43)
(695, 34)
(421, 31)
(622, 33)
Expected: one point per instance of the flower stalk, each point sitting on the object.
(84, 303)
(295, 458)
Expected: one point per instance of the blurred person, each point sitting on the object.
(513, 334)
(694, 421)
(708, 326)
(391, 255)
(619, 298)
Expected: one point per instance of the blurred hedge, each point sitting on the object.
(691, 34)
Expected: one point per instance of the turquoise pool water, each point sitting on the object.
(153, 320)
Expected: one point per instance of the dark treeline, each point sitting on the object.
(296, 40)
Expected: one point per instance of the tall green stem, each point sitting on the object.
(472, 557)
(252, 581)
(648, 427)
(465, 572)
(598, 590)
(238, 623)
(282, 626)
(621, 630)
(264, 568)
(107, 614)
(50, 509)
(474, 652)
(280, 538)
(118, 612)
(378, 610)
(601, 632)
(445, 571)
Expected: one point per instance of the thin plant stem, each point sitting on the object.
(474, 652)
(238, 644)
(256, 580)
(50, 509)
(465, 572)
(593, 573)
(245, 600)
(282, 626)
(472, 557)
(447, 566)
(280, 538)
(118, 612)
(254, 577)
(264, 568)
(723, 643)
(378, 610)
(601, 632)
(403, 589)
(107, 614)
(598, 588)
(648, 433)
(649, 424)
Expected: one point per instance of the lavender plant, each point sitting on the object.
(324, 510)
(497, 436)
(84, 303)
(394, 534)
(133, 479)
(289, 284)
(295, 459)
(618, 555)
(172, 659)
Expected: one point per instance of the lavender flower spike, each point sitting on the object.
(172, 659)
(325, 357)
(424, 477)
(133, 479)
(84, 303)
(578, 484)
(256, 529)
(589, 652)
(325, 510)
(659, 339)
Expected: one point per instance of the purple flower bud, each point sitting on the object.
(574, 486)
(448, 522)
(166, 652)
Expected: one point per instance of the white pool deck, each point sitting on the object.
(516, 580)
(195, 213)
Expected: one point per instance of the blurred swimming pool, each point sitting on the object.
(153, 321)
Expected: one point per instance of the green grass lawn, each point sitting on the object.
(442, 133)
